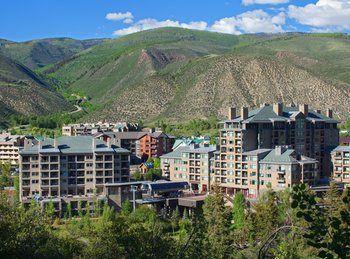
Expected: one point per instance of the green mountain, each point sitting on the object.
(24, 92)
(39, 53)
(178, 74)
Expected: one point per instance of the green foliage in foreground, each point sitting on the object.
(272, 227)
(327, 227)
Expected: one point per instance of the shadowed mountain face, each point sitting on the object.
(39, 53)
(178, 74)
(24, 92)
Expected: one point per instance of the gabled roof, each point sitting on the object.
(189, 149)
(341, 149)
(129, 134)
(72, 145)
(285, 157)
(267, 114)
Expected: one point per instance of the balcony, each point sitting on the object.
(281, 180)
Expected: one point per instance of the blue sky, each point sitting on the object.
(30, 19)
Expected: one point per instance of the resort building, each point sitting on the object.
(189, 163)
(87, 129)
(130, 141)
(308, 133)
(261, 169)
(9, 148)
(341, 164)
(155, 144)
(70, 168)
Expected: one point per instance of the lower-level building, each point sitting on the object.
(189, 163)
(277, 168)
(341, 164)
(70, 167)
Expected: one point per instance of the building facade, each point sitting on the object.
(309, 133)
(130, 141)
(87, 129)
(70, 167)
(9, 148)
(189, 163)
(155, 144)
(341, 165)
(277, 168)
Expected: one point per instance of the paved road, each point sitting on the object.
(78, 109)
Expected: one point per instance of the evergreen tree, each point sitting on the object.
(217, 221)
(5, 175)
(126, 208)
(50, 210)
(174, 219)
(327, 227)
(80, 209)
(238, 211)
(69, 211)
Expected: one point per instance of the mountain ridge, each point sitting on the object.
(178, 74)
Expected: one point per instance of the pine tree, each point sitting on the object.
(50, 210)
(217, 221)
(80, 210)
(126, 208)
(174, 219)
(238, 211)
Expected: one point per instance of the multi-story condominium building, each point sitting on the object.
(155, 144)
(189, 163)
(9, 148)
(69, 167)
(130, 141)
(86, 129)
(341, 164)
(260, 169)
(309, 133)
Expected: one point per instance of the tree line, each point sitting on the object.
(287, 224)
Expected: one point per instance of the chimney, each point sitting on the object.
(318, 111)
(330, 113)
(151, 130)
(278, 108)
(244, 113)
(27, 143)
(232, 113)
(279, 150)
(109, 142)
(40, 144)
(264, 105)
(55, 143)
(304, 108)
(93, 143)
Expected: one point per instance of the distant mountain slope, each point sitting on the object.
(178, 74)
(104, 70)
(39, 53)
(23, 92)
(200, 91)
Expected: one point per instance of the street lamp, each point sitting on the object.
(133, 189)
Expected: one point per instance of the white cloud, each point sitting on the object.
(250, 2)
(325, 14)
(147, 24)
(250, 22)
(119, 16)
(128, 21)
